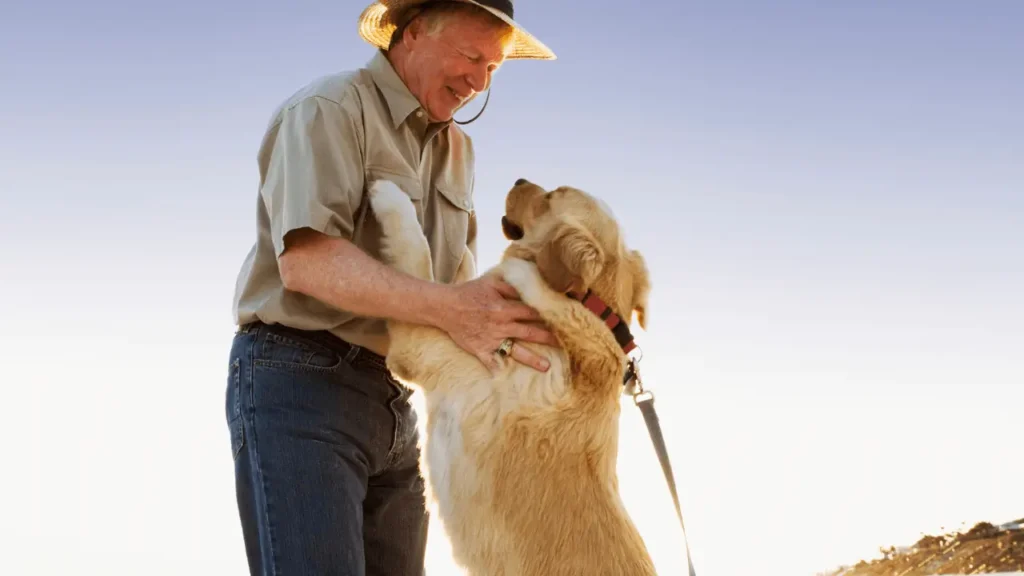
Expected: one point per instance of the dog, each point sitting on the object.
(522, 463)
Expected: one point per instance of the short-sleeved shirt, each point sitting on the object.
(324, 145)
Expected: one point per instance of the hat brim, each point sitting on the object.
(376, 27)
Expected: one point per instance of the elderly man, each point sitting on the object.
(324, 439)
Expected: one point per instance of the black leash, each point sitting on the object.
(644, 399)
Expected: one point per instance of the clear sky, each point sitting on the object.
(830, 197)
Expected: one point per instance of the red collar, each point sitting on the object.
(618, 327)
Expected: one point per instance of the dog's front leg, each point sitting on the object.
(416, 352)
(596, 359)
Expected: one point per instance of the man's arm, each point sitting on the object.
(339, 273)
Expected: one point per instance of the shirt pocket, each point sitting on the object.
(456, 208)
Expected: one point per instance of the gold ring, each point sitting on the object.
(506, 347)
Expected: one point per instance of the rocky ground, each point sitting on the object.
(984, 549)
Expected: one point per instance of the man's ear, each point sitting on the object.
(570, 258)
(641, 286)
(410, 25)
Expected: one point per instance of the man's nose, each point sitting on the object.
(477, 79)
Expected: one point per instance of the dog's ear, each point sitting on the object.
(641, 286)
(570, 258)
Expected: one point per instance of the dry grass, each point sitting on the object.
(983, 549)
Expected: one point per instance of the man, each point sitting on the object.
(324, 439)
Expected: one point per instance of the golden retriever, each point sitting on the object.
(522, 463)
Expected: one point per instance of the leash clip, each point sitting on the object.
(640, 394)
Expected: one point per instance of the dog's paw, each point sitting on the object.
(525, 278)
(392, 206)
(384, 194)
(403, 244)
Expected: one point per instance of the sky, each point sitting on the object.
(829, 196)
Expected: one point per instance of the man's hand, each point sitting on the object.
(485, 311)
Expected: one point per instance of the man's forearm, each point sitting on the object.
(339, 273)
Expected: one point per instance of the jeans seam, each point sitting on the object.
(236, 420)
(257, 466)
(396, 449)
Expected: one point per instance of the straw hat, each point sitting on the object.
(380, 19)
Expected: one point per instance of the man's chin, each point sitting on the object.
(450, 112)
(445, 116)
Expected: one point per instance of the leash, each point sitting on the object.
(644, 399)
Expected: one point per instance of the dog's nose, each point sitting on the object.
(522, 181)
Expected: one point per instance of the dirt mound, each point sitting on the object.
(983, 549)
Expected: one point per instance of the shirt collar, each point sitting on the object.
(400, 101)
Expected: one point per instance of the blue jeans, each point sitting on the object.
(324, 442)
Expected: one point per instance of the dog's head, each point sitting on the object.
(577, 245)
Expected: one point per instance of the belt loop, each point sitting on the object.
(247, 328)
(353, 351)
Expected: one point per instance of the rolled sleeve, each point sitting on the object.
(314, 175)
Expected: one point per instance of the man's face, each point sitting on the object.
(447, 69)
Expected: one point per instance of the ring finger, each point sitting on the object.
(528, 357)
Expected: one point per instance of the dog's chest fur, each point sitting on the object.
(465, 423)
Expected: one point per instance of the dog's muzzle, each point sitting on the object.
(511, 230)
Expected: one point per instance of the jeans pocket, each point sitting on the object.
(293, 351)
(233, 407)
